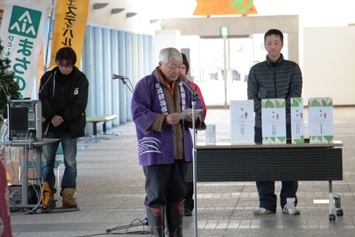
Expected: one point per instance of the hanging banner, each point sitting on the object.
(40, 65)
(224, 7)
(69, 27)
(22, 31)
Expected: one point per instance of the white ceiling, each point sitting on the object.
(313, 13)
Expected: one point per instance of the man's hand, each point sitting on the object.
(189, 117)
(172, 118)
(57, 120)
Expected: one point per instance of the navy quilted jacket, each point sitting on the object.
(268, 80)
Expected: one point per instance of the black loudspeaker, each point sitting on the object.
(24, 120)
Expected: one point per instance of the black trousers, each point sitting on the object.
(266, 189)
(189, 201)
(165, 184)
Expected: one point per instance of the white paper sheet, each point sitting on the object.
(188, 111)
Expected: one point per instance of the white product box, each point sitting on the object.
(297, 120)
(320, 120)
(242, 121)
(273, 120)
(210, 134)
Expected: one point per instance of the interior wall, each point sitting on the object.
(329, 71)
(107, 52)
(239, 27)
(327, 53)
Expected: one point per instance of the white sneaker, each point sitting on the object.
(290, 208)
(262, 211)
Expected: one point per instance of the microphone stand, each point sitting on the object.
(194, 162)
(130, 86)
(194, 152)
(144, 221)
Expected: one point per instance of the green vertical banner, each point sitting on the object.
(22, 31)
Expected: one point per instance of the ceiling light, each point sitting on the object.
(153, 21)
(130, 14)
(100, 5)
(116, 10)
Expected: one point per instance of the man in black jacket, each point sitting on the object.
(64, 96)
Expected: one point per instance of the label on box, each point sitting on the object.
(273, 119)
(297, 121)
(242, 121)
(210, 134)
(320, 120)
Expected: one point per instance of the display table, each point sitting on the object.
(283, 162)
(37, 147)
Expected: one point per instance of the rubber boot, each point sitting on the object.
(68, 198)
(156, 221)
(174, 213)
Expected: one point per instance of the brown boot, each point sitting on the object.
(68, 198)
(48, 200)
(52, 201)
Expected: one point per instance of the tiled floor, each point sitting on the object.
(111, 192)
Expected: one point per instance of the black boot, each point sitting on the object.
(174, 213)
(156, 221)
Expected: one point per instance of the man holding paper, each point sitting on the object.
(164, 140)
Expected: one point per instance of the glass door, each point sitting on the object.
(225, 64)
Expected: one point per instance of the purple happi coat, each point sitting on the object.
(157, 147)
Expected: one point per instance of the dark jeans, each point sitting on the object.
(266, 189)
(69, 152)
(165, 184)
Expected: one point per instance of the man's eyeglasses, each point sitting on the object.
(64, 65)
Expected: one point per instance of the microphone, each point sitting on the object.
(187, 84)
(115, 76)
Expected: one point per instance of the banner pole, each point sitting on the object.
(46, 65)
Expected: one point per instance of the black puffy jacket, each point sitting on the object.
(67, 96)
(267, 80)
